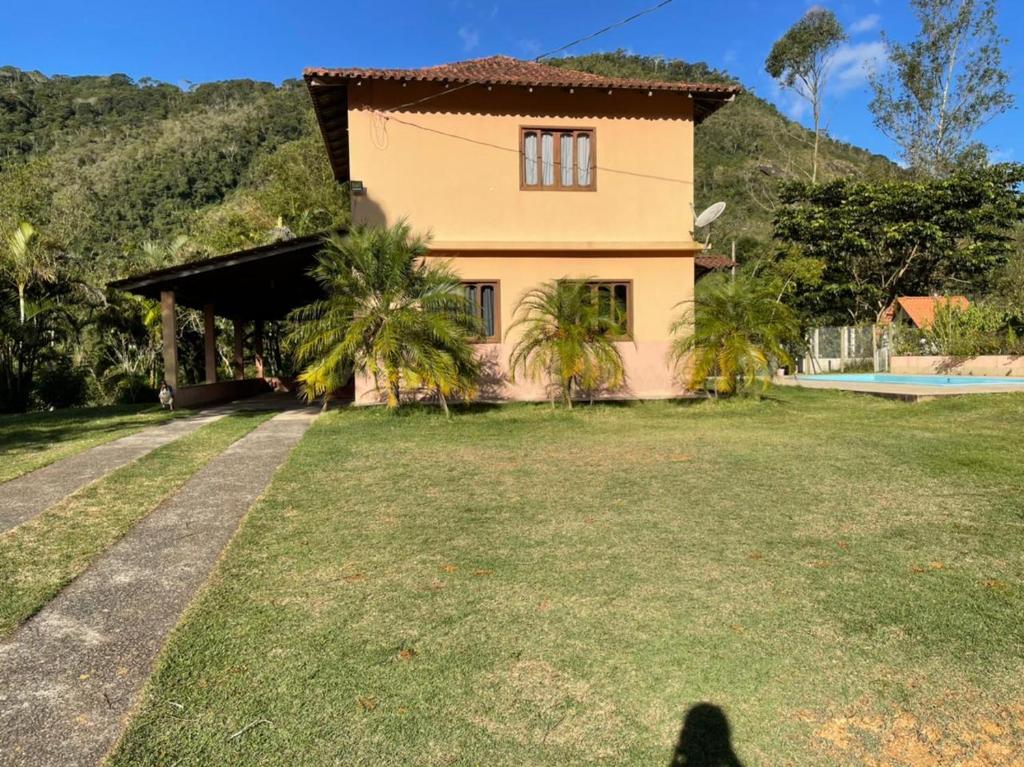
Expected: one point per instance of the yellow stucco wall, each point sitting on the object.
(636, 226)
(467, 189)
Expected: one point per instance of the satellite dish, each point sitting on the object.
(710, 214)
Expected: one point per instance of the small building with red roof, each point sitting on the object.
(919, 311)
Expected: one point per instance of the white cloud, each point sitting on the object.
(851, 65)
(470, 37)
(866, 24)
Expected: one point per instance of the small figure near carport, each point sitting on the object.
(166, 396)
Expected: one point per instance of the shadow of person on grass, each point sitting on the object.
(705, 740)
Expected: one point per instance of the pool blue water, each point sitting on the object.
(938, 380)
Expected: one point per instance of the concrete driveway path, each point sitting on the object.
(70, 676)
(30, 494)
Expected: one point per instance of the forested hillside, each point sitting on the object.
(103, 165)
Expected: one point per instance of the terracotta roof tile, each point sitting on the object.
(713, 262)
(505, 70)
(921, 309)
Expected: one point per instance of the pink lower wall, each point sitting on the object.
(662, 284)
(985, 365)
(648, 376)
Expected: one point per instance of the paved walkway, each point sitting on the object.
(30, 494)
(70, 676)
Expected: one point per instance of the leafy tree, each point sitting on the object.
(942, 87)
(25, 344)
(788, 270)
(800, 61)
(734, 330)
(388, 313)
(881, 240)
(1009, 280)
(565, 338)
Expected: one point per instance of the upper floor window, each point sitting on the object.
(483, 300)
(557, 159)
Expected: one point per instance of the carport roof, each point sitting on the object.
(262, 283)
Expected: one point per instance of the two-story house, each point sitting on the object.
(522, 173)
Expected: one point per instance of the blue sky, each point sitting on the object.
(188, 41)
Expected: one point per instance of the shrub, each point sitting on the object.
(134, 389)
(62, 385)
(967, 332)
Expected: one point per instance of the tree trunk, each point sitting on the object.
(21, 303)
(394, 392)
(817, 140)
(444, 404)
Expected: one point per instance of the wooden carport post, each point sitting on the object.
(169, 336)
(237, 357)
(257, 347)
(210, 343)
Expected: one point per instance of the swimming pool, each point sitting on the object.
(908, 380)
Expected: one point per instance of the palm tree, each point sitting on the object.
(25, 264)
(567, 339)
(735, 329)
(389, 314)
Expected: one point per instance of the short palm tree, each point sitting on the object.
(25, 264)
(389, 314)
(734, 330)
(566, 338)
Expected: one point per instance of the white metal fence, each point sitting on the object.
(835, 349)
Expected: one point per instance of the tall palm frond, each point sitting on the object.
(565, 338)
(25, 264)
(734, 330)
(389, 314)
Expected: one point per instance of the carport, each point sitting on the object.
(247, 287)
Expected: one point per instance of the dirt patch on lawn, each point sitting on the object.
(900, 739)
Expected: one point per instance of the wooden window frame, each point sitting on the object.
(595, 284)
(557, 186)
(495, 337)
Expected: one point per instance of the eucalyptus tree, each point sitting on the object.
(800, 60)
(943, 86)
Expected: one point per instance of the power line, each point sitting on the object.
(490, 145)
(609, 28)
(585, 38)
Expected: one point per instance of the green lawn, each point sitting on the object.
(38, 558)
(28, 442)
(841, 574)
